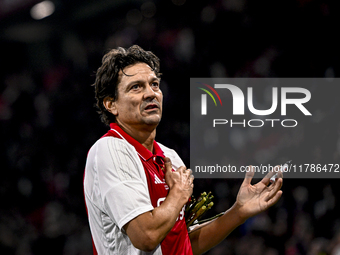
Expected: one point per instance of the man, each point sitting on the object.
(135, 188)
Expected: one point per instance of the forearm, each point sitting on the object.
(212, 233)
(149, 229)
(164, 217)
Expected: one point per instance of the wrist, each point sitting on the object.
(177, 195)
(236, 211)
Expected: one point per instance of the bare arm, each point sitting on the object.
(251, 200)
(147, 230)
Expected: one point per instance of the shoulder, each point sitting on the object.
(112, 150)
(114, 158)
(172, 154)
(110, 143)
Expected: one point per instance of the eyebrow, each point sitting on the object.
(141, 81)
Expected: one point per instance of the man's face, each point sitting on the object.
(139, 102)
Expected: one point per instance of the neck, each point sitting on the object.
(145, 137)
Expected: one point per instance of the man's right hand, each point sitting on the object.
(179, 181)
(147, 230)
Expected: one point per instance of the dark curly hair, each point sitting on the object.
(107, 77)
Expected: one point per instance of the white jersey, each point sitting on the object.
(116, 191)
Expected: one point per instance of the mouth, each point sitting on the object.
(151, 107)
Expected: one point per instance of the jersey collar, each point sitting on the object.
(142, 151)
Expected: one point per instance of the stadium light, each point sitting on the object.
(42, 10)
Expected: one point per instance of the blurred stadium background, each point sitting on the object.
(49, 54)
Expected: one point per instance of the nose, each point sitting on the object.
(149, 92)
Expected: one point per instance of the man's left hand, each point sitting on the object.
(254, 199)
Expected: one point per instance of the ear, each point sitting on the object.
(110, 105)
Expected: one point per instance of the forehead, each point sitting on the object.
(136, 72)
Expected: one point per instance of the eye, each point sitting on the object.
(135, 87)
(155, 85)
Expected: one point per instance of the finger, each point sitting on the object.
(168, 165)
(279, 174)
(189, 172)
(274, 199)
(249, 176)
(279, 183)
(274, 189)
(191, 178)
(266, 179)
(181, 169)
